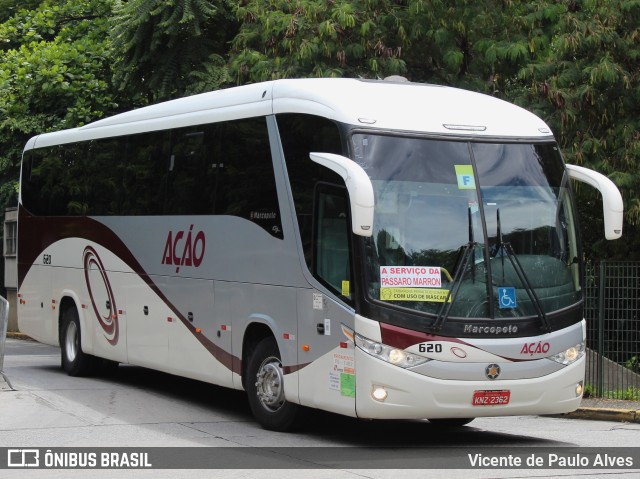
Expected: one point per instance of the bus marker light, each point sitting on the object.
(379, 393)
(306, 348)
(198, 330)
(347, 332)
(449, 126)
(170, 319)
(579, 389)
(344, 345)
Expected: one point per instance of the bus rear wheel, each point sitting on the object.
(74, 361)
(265, 388)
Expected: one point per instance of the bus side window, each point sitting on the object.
(331, 238)
(190, 179)
(246, 185)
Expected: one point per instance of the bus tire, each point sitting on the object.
(451, 421)
(265, 388)
(74, 361)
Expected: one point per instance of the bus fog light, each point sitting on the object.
(579, 389)
(379, 393)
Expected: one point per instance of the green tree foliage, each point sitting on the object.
(469, 44)
(286, 39)
(54, 73)
(8, 8)
(165, 46)
(586, 85)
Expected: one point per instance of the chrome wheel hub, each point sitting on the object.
(71, 341)
(269, 384)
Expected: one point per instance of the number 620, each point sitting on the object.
(430, 347)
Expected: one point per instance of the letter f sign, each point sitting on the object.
(464, 174)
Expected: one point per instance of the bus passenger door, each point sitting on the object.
(329, 380)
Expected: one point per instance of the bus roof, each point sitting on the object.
(378, 104)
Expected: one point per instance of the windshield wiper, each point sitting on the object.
(468, 251)
(522, 275)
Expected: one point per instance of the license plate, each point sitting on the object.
(491, 398)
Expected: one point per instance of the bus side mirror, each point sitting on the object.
(359, 187)
(612, 206)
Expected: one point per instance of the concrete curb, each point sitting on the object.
(18, 335)
(605, 414)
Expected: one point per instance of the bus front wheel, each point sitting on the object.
(74, 361)
(265, 388)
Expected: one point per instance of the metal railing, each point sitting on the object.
(612, 311)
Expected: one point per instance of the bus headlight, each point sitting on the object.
(570, 355)
(397, 357)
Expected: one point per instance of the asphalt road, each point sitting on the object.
(138, 408)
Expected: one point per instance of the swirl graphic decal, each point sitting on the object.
(108, 321)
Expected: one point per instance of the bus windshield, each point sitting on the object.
(469, 229)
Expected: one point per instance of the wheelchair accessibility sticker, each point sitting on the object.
(507, 298)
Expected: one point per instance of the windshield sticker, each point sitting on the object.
(411, 276)
(414, 294)
(464, 173)
(507, 298)
(342, 377)
(348, 385)
(346, 288)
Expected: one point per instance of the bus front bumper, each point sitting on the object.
(404, 394)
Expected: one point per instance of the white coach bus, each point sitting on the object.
(376, 249)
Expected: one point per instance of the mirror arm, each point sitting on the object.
(612, 205)
(359, 186)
